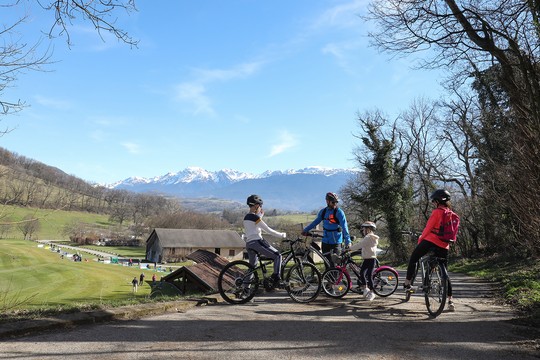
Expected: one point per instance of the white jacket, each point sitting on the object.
(368, 245)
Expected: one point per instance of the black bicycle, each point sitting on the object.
(239, 282)
(434, 282)
(307, 252)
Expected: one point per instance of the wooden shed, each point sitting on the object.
(200, 277)
(174, 245)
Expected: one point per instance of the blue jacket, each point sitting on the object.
(331, 234)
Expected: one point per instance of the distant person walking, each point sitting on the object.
(153, 279)
(135, 284)
(141, 279)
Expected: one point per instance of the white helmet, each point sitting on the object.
(370, 224)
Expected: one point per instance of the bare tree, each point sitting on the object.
(29, 226)
(18, 56)
(495, 43)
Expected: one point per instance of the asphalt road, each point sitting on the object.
(274, 327)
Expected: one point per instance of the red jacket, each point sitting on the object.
(432, 227)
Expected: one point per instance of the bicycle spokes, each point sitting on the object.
(435, 290)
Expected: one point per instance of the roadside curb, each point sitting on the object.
(62, 321)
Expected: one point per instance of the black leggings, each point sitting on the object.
(422, 249)
(366, 273)
(330, 248)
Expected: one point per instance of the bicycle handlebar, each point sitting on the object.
(309, 233)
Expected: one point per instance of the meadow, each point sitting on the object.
(52, 222)
(36, 279)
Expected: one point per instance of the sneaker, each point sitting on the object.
(408, 288)
(245, 293)
(365, 292)
(451, 306)
(370, 295)
(274, 279)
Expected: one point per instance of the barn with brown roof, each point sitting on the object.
(174, 245)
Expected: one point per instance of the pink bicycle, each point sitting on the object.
(337, 281)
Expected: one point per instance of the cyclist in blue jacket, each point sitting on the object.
(335, 228)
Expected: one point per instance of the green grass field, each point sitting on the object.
(39, 279)
(52, 222)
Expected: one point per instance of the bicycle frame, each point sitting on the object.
(239, 281)
(306, 256)
(385, 278)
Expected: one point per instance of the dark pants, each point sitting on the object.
(262, 247)
(328, 249)
(366, 273)
(422, 249)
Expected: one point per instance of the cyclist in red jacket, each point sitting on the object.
(429, 240)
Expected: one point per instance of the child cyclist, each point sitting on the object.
(429, 240)
(255, 244)
(368, 245)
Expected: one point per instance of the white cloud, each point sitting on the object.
(194, 93)
(98, 135)
(341, 16)
(53, 103)
(131, 147)
(286, 142)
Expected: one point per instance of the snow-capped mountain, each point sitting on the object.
(298, 190)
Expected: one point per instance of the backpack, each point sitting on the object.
(449, 226)
(333, 217)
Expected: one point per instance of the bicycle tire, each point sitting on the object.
(238, 282)
(332, 285)
(385, 282)
(354, 272)
(435, 289)
(303, 282)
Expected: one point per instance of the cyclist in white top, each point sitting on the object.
(254, 226)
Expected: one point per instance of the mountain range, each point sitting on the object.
(291, 190)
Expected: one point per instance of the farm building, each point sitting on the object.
(174, 245)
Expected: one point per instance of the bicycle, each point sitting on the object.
(307, 253)
(337, 281)
(434, 282)
(238, 281)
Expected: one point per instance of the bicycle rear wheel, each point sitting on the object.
(238, 282)
(385, 282)
(435, 289)
(334, 283)
(303, 282)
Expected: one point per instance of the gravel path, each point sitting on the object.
(274, 327)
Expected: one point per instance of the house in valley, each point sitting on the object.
(174, 245)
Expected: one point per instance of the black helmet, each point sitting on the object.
(254, 200)
(332, 197)
(440, 195)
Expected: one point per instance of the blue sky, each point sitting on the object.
(244, 84)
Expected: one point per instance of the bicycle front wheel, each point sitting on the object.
(435, 289)
(334, 283)
(385, 282)
(303, 282)
(238, 282)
